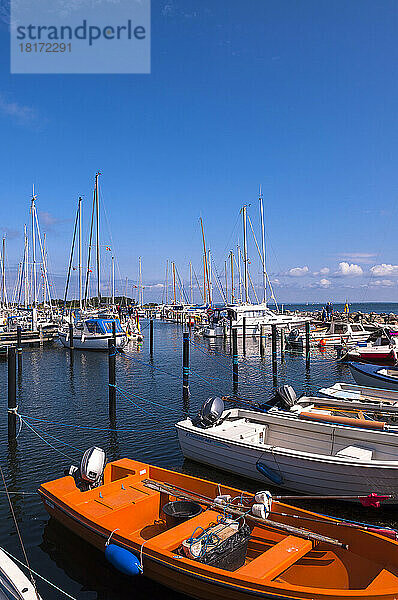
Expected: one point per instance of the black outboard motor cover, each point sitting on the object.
(210, 413)
(286, 396)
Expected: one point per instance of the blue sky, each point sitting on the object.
(297, 96)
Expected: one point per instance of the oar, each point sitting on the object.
(371, 500)
(174, 491)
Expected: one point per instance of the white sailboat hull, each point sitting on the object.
(97, 342)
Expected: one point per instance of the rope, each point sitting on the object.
(75, 426)
(48, 443)
(38, 575)
(19, 535)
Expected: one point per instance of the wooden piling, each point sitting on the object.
(263, 340)
(71, 336)
(112, 378)
(151, 337)
(19, 347)
(282, 332)
(12, 394)
(307, 345)
(244, 335)
(235, 355)
(185, 364)
(114, 333)
(274, 334)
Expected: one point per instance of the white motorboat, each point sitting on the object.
(93, 334)
(380, 348)
(336, 333)
(293, 452)
(14, 585)
(256, 315)
(350, 391)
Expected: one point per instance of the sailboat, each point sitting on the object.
(255, 315)
(91, 329)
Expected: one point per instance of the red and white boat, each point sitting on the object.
(381, 348)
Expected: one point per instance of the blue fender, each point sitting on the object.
(123, 560)
(269, 473)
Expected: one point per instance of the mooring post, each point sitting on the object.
(235, 354)
(151, 337)
(274, 337)
(244, 335)
(307, 345)
(114, 333)
(19, 347)
(112, 378)
(185, 364)
(282, 332)
(12, 394)
(41, 334)
(71, 336)
(262, 340)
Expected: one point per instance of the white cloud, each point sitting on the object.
(360, 257)
(385, 270)
(325, 283)
(155, 286)
(20, 112)
(348, 270)
(383, 283)
(323, 271)
(298, 271)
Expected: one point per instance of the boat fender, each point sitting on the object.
(269, 473)
(222, 499)
(123, 560)
(259, 510)
(264, 499)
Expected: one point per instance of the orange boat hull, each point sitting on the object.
(278, 565)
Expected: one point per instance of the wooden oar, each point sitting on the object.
(174, 491)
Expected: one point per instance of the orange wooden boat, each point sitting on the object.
(126, 512)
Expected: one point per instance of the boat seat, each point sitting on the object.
(355, 452)
(241, 432)
(277, 559)
(173, 537)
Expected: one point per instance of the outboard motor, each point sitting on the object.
(89, 474)
(210, 413)
(286, 396)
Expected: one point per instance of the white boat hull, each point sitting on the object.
(97, 343)
(299, 471)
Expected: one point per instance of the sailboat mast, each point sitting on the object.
(190, 282)
(80, 255)
(204, 280)
(263, 247)
(209, 280)
(33, 208)
(26, 268)
(226, 281)
(232, 278)
(139, 282)
(3, 286)
(44, 271)
(98, 236)
(174, 283)
(245, 252)
(206, 266)
(167, 282)
(239, 273)
(113, 281)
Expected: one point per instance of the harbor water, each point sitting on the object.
(63, 401)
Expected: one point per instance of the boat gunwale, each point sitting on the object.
(226, 578)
